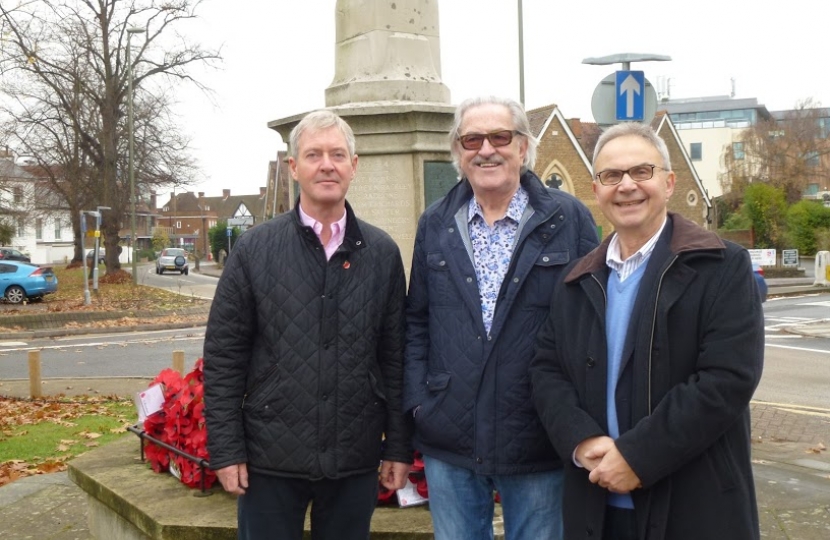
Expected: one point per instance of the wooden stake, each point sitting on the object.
(178, 361)
(35, 389)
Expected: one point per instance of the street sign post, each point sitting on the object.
(630, 96)
(624, 96)
(606, 101)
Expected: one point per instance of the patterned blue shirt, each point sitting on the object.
(493, 248)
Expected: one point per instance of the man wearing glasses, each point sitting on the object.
(486, 259)
(646, 365)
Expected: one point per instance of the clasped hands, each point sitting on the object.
(608, 468)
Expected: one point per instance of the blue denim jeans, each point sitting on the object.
(461, 503)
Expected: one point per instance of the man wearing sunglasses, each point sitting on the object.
(486, 258)
(646, 365)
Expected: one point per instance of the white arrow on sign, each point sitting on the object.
(628, 88)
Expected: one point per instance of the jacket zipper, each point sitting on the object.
(653, 329)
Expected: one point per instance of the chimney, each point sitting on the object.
(576, 127)
(262, 192)
(226, 193)
(153, 202)
(201, 194)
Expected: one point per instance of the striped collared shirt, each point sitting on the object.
(626, 267)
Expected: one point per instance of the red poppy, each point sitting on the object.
(181, 424)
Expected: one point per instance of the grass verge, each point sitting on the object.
(40, 436)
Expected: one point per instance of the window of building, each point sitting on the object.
(21, 226)
(39, 229)
(812, 189)
(812, 159)
(58, 228)
(211, 223)
(18, 195)
(738, 150)
(696, 151)
(178, 224)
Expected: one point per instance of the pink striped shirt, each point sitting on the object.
(338, 231)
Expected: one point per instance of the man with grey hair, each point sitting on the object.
(304, 356)
(486, 258)
(646, 365)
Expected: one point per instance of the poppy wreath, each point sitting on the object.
(181, 424)
(416, 476)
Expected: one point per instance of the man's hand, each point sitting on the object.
(614, 474)
(234, 478)
(590, 452)
(393, 474)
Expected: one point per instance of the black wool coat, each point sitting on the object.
(692, 361)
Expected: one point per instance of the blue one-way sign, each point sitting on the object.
(630, 95)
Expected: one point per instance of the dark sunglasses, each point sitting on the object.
(474, 141)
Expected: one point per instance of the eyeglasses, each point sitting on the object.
(638, 173)
(474, 141)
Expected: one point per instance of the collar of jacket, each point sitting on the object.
(538, 196)
(353, 239)
(686, 236)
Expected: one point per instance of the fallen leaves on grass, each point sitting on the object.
(817, 449)
(15, 413)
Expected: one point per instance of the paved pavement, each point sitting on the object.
(791, 463)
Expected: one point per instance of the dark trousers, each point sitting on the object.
(274, 508)
(620, 524)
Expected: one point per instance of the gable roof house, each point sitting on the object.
(43, 228)
(186, 217)
(563, 160)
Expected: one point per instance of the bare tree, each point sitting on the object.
(790, 153)
(70, 56)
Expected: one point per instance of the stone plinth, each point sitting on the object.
(128, 501)
(394, 141)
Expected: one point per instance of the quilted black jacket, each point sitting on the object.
(304, 357)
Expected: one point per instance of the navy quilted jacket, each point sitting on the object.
(473, 389)
(304, 357)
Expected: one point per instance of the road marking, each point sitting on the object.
(793, 407)
(98, 344)
(13, 343)
(797, 348)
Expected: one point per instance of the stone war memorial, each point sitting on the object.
(387, 85)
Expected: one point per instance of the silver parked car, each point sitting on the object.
(172, 259)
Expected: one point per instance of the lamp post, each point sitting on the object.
(131, 172)
(521, 56)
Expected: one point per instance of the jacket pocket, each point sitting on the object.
(543, 277)
(257, 398)
(436, 383)
(442, 292)
(722, 461)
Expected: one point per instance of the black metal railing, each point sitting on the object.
(202, 463)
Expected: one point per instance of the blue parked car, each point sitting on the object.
(20, 281)
(758, 273)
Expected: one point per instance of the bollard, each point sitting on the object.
(178, 361)
(822, 268)
(35, 389)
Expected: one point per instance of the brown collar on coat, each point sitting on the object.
(686, 236)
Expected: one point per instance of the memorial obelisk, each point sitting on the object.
(387, 86)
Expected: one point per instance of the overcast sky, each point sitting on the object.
(279, 59)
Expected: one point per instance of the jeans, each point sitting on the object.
(461, 503)
(275, 508)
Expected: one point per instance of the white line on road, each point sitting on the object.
(797, 348)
